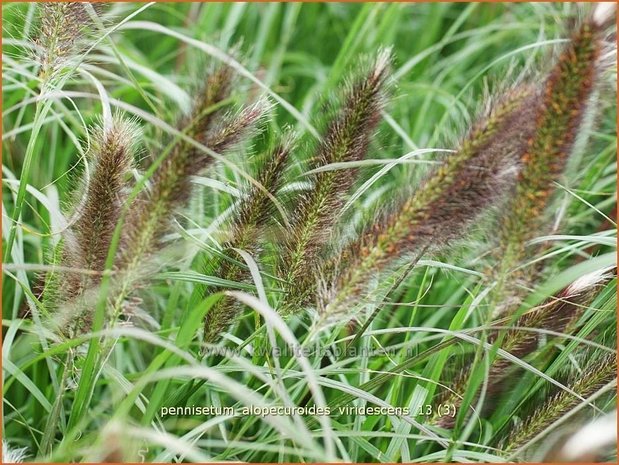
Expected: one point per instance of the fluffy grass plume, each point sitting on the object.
(559, 314)
(64, 26)
(565, 95)
(170, 186)
(450, 199)
(10, 455)
(139, 351)
(252, 214)
(558, 112)
(105, 193)
(97, 209)
(347, 139)
(598, 374)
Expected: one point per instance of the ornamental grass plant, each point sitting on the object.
(393, 223)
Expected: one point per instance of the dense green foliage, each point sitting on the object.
(433, 266)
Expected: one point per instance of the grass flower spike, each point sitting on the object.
(253, 213)
(559, 113)
(466, 185)
(280, 253)
(98, 208)
(106, 192)
(594, 378)
(347, 139)
(566, 93)
(170, 186)
(64, 28)
(558, 315)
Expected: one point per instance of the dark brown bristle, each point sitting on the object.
(602, 371)
(347, 138)
(450, 199)
(252, 215)
(558, 314)
(565, 97)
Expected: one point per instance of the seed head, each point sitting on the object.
(347, 138)
(252, 215)
(565, 95)
(558, 314)
(64, 28)
(599, 373)
(170, 183)
(449, 200)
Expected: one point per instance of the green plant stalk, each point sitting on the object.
(188, 327)
(86, 386)
(41, 110)
(54, 416)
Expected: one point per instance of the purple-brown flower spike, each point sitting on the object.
(106, 192)
(148, 218)
(99, 205)
(252, 215)
(347, 139)
(598, 374)
(559, 314)
(62, 31)
(449, 200)
(565, 96)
